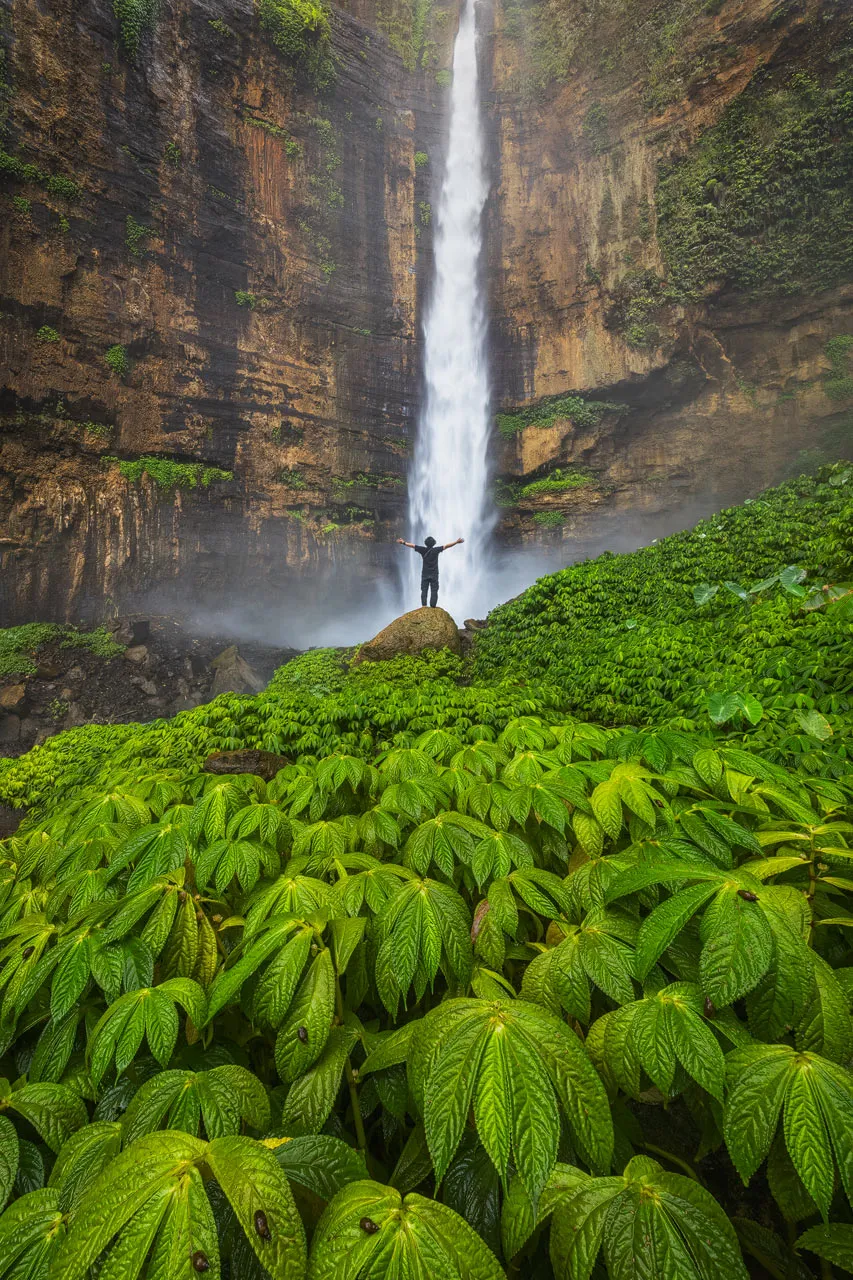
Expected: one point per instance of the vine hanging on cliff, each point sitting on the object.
(135, 17)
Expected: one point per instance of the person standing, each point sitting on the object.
(429, 553)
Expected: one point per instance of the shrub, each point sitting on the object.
(300, 30)
(168, 473)
(47, 334)
(135, 17)
(135, 235)
(244, 299)
(421, 158)
(557, 482)
(583, 413)
(116, 358)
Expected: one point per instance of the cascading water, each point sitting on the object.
(448, 485)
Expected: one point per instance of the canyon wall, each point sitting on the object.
(671, 257)
(210, 257)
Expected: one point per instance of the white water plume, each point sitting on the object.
(448, 496)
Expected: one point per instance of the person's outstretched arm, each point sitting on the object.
(448, 545)
(404, 543)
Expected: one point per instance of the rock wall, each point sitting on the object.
(247, 251)
(723, 389)
(205, 259)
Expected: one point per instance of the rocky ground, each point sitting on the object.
(162, 670)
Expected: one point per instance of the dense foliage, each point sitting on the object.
(471, 988)
(633, 638)
(764, 203)
(19, 646)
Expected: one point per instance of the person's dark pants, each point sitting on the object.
(432, 584)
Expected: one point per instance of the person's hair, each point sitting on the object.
(430, 542)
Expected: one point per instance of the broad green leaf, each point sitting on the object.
(254, 1183)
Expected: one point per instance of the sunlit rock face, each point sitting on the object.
(261, 253)
(255, 247)
(603, 117)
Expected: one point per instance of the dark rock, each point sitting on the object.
(10, 728)
(133, 632)
(264, 764)
(233, 674)
(412, 633)
(13, 698)
(48, 670)
(10, 820)
(475, 624)
(75, 675)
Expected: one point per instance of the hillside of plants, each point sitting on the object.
(533, 963)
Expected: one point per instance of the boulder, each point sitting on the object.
(132, 632)
(137, 653)
(264, 764)
(412, 633)
(232, 674)
(12, 698)
(475, 624)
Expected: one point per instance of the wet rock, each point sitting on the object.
(47, 731)
(149, 688)
(412, 633)
(264, 764)
(13, 698)
(137, 653)
(233, 674)
(132, 632)
(10, 820)
(10, 728)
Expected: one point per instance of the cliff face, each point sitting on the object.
(207, 259)
(667, 239)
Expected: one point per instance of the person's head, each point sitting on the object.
(429, 542)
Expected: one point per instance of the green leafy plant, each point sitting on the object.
(471, 987)
(116, 358)
(135, 236)
(135, 17)
(168, 473)
(47, 334)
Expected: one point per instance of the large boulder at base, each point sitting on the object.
(264, 764)
(233, 674)
(412, 633)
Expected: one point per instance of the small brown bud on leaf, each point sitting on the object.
(262, 1226)
(368, 1225)
(302, 1034)
(200, 1261)
(28, 951)
(709, 1007)
(747, 896)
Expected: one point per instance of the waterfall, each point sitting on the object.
(448, 485)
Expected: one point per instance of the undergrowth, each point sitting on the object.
(19, 646)
(471, 988)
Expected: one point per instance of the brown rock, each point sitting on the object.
(412, 633)
(137, 653)
(264, 764)
(13, 697)
(475, 624)
(233, 674)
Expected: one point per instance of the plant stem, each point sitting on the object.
(673, 1159)
(358, 1121)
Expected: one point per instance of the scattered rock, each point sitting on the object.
(10, 728)
(13, 697)
(149, 688)
(264, 764)
(67, 695)
(475, 624)
(47, 731)
(76, 675)
(137, 653)
(233, 674)
(74, 717)
(412, 633)
(48, 670)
